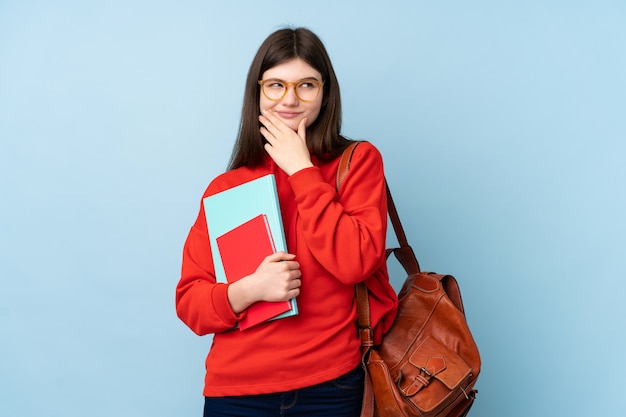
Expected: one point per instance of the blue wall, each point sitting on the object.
(503, 129)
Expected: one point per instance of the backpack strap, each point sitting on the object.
(344, 164)
(404, 253)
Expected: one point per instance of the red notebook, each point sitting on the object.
(242, 250)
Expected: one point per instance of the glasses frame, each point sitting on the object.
(319, 84)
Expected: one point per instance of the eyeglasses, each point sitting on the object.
(306, 90)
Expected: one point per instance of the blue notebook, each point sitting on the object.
(229, 209)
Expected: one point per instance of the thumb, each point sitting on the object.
(302, 129)
(280, 256)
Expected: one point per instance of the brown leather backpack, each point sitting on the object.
(428, 362)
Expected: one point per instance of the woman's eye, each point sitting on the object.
(306, 84)
(276, 84)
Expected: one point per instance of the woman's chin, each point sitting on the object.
(291, 123)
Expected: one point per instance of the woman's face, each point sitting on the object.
(290, 108)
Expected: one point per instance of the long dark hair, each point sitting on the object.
(323, 135)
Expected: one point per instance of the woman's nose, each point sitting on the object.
(290, 96)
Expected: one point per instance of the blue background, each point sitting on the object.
(502, 125)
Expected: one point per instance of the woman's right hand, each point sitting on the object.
(276, 279)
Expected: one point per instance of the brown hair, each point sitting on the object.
(323, 135)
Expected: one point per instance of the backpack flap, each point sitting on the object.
(433, 374)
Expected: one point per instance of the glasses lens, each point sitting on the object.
(307, 90)
(274, 90)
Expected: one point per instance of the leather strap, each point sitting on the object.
(362, 300)
(344, 164)
(404, 253)
(407, 259)
(366, 333)
(362, 303)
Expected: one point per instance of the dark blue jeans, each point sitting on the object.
(341, 397)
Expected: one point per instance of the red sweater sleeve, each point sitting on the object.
(345, 231)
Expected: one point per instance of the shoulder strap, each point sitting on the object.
(366, 333)
(344, 164)
(404, 253)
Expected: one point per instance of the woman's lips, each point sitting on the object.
(288, 114)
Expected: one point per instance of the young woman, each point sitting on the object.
(309, 364)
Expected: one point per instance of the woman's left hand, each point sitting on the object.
(285, 146)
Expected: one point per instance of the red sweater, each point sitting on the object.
(338, 239)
